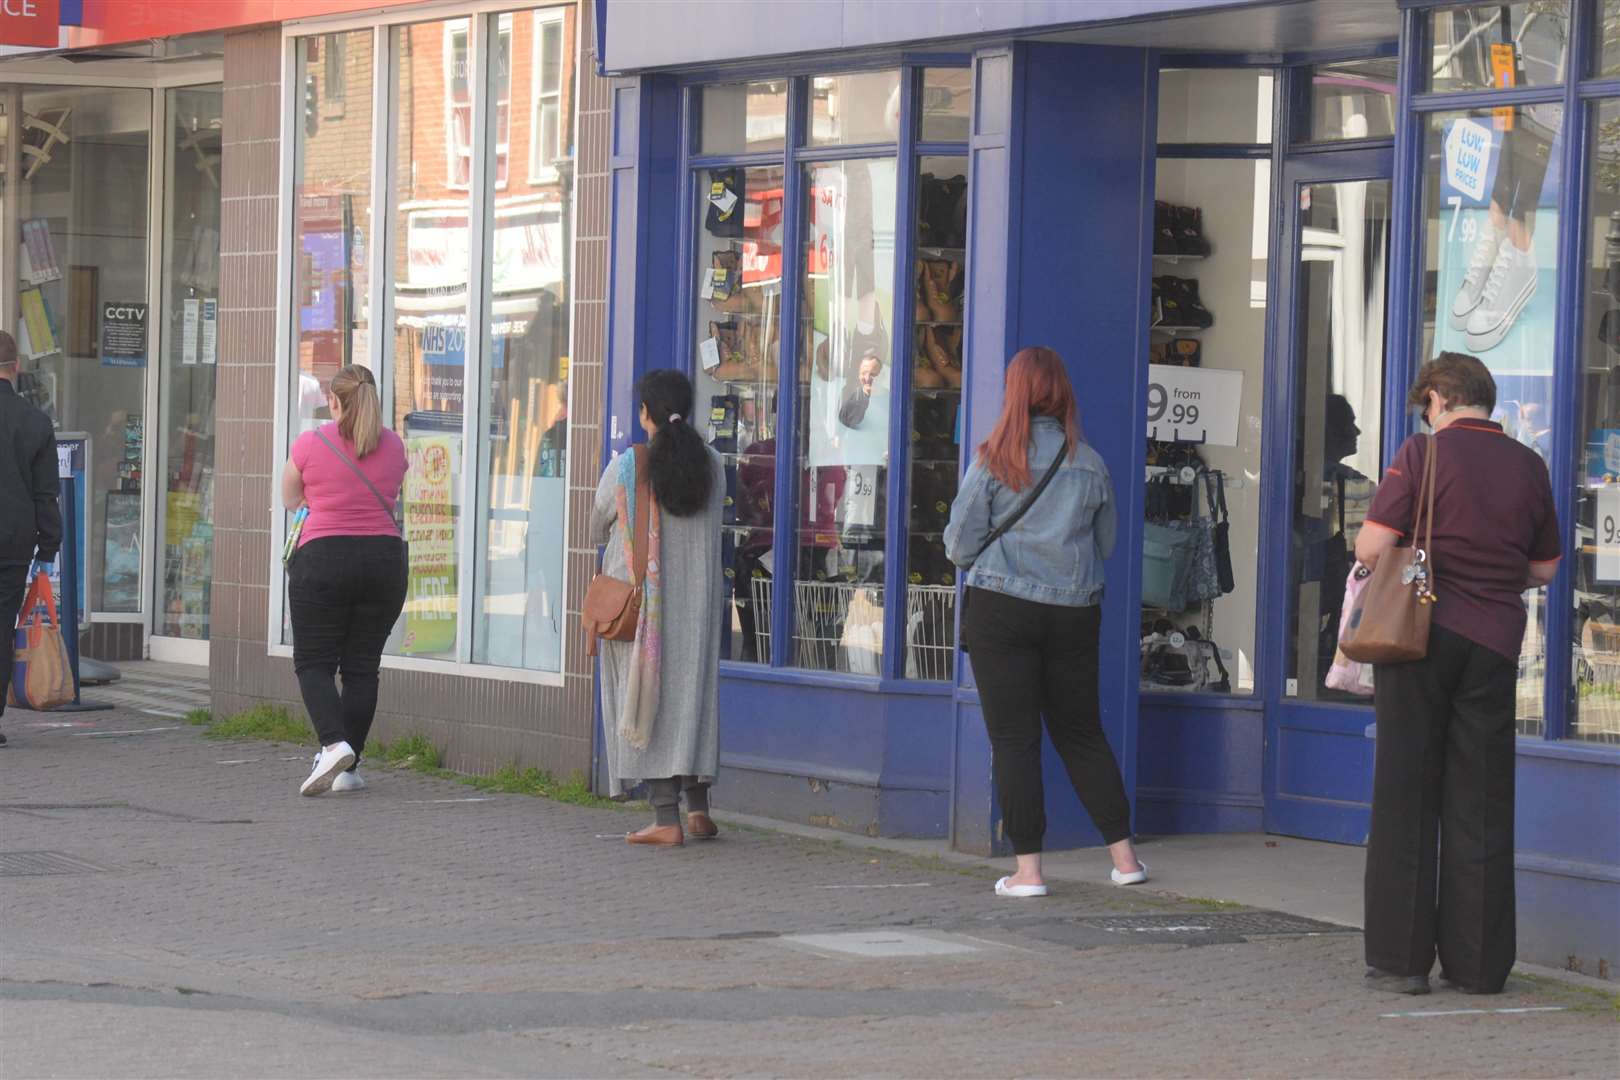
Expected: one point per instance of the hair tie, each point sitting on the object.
(674, 417)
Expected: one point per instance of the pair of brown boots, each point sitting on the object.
(939, 291)
(742, 359)
(939, 357)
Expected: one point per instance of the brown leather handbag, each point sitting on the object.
(612, 607)
(1389, 623)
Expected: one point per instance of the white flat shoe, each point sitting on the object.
(1135, 877)
(1019, 891)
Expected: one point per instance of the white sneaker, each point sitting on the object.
(331, 761)
(1511, 284)
(347, 781)
(1480, 262)
(1135, 877)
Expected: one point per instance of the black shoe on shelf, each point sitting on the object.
(1189, 228)
(1197, 314)
(1165, 239)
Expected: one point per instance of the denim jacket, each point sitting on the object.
(1054, 555)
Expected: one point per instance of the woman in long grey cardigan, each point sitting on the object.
(661, 692)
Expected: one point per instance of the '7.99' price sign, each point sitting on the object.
(1195, 405)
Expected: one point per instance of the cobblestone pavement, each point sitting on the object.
(204, 920)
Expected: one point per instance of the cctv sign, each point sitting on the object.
(30, 22)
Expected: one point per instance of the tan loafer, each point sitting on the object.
(701, 826)
(657, 835)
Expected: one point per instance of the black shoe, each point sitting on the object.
(1189, 228)
(1165, 239)
(1197, 314)
(1391, 983)
(1462, 989)
(2, 740)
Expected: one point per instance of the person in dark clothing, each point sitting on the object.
(857, 396)
(1440, 850)
(30, 516)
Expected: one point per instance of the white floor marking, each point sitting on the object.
(129, 731)
(1418, 1015)
(907, 885)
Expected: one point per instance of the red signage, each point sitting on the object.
(30, 22)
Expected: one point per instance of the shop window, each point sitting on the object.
(518, 597)
(1353, 99)
(1498, 46)
(427, 348)
(83, 307)
(938, 302)
(847, 307)
(547, 118)
(1338, 392)
(1606, 56)
(1492, 194)
(458, 65)
(947, 104)
(447, 364)
(738, 329)
(1215, 105)
(742, 118)
(191, 340)
(1595, 696)
(849, 110)
(1208, 344)
(331, 241)
(336, 97)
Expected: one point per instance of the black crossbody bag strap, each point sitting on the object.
(1023, 508)
(364, 479)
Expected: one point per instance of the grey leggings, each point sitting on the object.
(665, 796)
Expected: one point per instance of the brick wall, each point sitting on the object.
(481, 724)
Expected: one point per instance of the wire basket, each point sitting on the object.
(760, 589)
(930, 631)
(838, 626)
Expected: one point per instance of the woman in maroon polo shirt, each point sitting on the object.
(1440, 853)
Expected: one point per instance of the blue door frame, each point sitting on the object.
(1318, 760)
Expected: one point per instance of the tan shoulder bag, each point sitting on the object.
(612, 607)
(1390, 621)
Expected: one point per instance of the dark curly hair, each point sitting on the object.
(681, 474)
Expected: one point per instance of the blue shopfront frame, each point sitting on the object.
(888, 755)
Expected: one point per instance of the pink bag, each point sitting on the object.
(1351, 676)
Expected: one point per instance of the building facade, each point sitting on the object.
(216, 210)
(1245, 226)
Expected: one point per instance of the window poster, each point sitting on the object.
(852, 311)
(1497, 237)
(1497, 263)
(123, 333)
(430, 529)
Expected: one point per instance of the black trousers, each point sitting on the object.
(1031, 660)
(13, 586)
(1440, 855)
(346, 593)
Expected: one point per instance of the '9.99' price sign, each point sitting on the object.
(1607, 527)
(1196, 405)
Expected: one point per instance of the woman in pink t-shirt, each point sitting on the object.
(346, 583)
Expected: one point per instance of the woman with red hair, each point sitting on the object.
(1032, 524)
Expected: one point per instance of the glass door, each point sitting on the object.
(1319, 756)
(189, 362)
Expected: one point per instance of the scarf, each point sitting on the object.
(639, 707)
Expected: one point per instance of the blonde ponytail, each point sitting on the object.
(361, 425)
